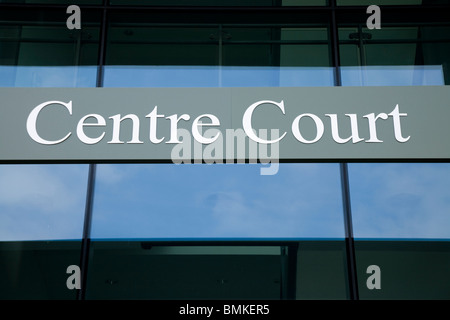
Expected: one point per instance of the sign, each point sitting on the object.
(224, 124)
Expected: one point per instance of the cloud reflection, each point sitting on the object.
(219, 201)
(42, 202)
(400, 200)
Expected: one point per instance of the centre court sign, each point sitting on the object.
(296, 124)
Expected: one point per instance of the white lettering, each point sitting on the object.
(296, 128)
(303, 131)
(153, 116)
(247, 121)
(174, 126)
(397, 126)
(372, 125)
(81, 124)
(198, 123)
(335, 131)
(32, 118)
(117, 120)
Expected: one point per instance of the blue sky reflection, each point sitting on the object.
(393, 76)
(218, 76)
(42, 202)
(215, 76)
(217, 201)
(400, 200)
(51, 76)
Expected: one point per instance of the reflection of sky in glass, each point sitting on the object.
(217, 201)
(400, 200)
(42, 202)
(206, 76)
(37, 76)
(215, 76)
(392, 76)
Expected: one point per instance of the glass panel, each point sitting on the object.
(286, 47)
(47, 45)
(385, 2)
(218, 57)
(400, 200)
(68, 2)
(151, 270)
(141, 45)
(51, 77)
(321, 270)
(42, 202)
(395, 55)
(393, 76)
(38, 54)
(204, 76)
(141, 270)
(37, 269)
(218, 201)
(389, 2)
(149, 76)
(231, 3)
(407, 270)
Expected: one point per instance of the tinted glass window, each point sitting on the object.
(42, 202)
(410, 55)
(151, 270)
(35, 52)
(229, 201)
(400, 200)
(404, 270)
(232, 3)
(216, 56)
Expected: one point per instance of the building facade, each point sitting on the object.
(311, 228)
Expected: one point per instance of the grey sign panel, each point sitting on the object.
(153, 124)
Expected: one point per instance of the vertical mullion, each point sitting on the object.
(349, 240)
(345, 185)
(335, 46)
(101, 55)
(85, 243)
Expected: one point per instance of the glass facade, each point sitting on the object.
(223, 231)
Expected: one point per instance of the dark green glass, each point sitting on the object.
(68, 2)
(143, 270)
(219, 45)
(389, 2)
(215, 3)
(41, 38)
(37, 269)
(409, 270)
(420, 45)
(151, 270)
(322, 270)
